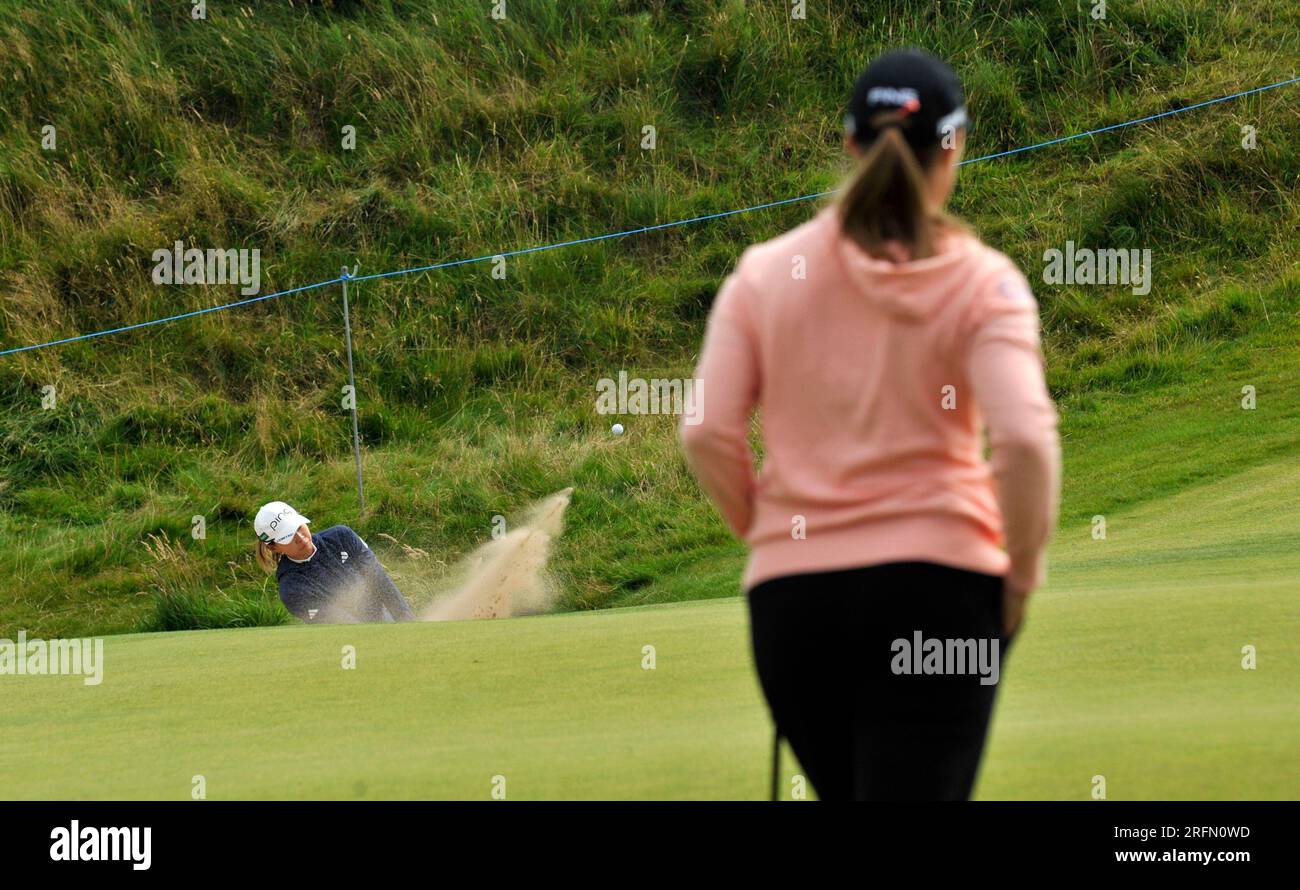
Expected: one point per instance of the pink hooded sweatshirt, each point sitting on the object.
(875, 381)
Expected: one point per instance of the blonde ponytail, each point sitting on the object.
(265, 557)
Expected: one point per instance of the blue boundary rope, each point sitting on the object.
(624, 234)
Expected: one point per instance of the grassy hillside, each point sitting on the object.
(476, 136)
(1129, 669)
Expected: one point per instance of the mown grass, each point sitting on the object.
(476, 137)
(1130, 668)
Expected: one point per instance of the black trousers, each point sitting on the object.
(828, 661)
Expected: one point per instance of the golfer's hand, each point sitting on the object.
(1027, 571)
(1014, 600)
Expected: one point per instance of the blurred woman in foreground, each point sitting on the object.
(880, 340)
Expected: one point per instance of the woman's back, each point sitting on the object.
(871, 377)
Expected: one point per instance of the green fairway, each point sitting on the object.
(558, 704)
(1130, 669)
(1131, 663)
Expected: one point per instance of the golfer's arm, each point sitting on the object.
(387, 592)
(382, 586)
(1006, 374)
(716, 439)
(293, 599)
(303, 606)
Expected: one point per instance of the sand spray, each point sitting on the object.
(506, 576)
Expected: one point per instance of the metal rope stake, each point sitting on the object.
(352, 383)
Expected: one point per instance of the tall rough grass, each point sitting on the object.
(184, 598)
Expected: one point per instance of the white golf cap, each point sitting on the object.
(277, 523)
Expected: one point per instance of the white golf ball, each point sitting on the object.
(617, 429)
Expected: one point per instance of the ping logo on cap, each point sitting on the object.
(892, 96)
(277, 522)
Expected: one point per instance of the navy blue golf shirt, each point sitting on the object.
(342, 583)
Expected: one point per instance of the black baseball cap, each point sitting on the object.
(912, 90)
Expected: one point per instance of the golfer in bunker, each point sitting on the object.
(878, 343)
(331, 577)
